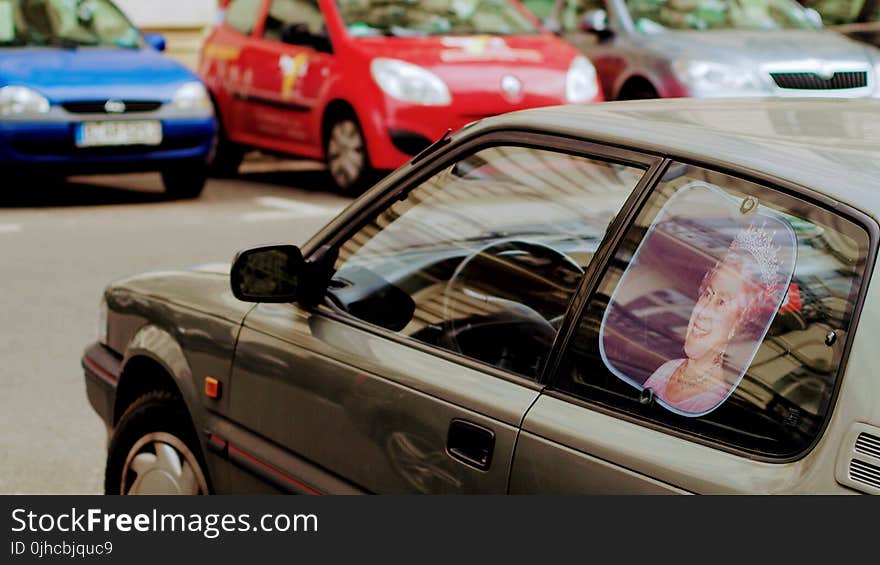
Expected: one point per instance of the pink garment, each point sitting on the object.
(698, 404)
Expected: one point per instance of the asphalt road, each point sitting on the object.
(61, 244)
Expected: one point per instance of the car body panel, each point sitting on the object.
(186, 321)
(92, 73)
(301, 379)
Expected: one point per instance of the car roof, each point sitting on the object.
(829, 145)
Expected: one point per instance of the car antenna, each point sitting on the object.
(447, 137)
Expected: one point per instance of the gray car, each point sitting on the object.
(712, 48)
(634, 297)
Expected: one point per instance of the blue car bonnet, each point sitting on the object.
(90, 73)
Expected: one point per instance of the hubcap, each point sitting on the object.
(159, 463)
(345, 153)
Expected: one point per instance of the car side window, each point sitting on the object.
(482, 258)
(722, 314)
(285, 13)
(241, 15)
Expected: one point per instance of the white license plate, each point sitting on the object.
(102, 134)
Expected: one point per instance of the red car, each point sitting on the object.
(366, 84)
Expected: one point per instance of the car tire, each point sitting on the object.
(345, 154)
(226, 156)
(638, 91)
(154, 450)
(185, 182)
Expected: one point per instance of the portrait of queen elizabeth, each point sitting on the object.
(698, 297)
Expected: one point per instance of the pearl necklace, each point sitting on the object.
(691, 382)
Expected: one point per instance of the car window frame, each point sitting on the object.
(357, 216)
(589, 289)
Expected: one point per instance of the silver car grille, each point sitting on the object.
(812, 81)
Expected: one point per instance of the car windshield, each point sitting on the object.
(651, 16)
(65, 23)
(433, 17)
(837, 12)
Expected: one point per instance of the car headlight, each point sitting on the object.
(581, 84)
(707, 78)
(192, 96)
(102, 321)
(22, 101)
(410, 83)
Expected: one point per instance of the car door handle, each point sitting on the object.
(471, 444)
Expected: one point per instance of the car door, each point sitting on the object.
(228, 60)
(415, 374)
(673, 382)
(291, 66)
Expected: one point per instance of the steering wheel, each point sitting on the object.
(502, 330)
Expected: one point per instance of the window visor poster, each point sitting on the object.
(698, 297)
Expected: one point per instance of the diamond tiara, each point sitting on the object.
(759, 243)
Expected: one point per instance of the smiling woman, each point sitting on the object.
(740, 257)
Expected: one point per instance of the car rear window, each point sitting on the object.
(723, 314)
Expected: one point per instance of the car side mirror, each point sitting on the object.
(270, 273)
(595, 21)
(814, 17)
(156, 41)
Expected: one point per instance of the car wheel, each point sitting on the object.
(154, 450)
(346, 155)
(638, 91)
(226, 156)
(185, 181)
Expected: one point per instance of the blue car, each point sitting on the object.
(82, 91)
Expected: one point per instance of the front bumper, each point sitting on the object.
(397, 131)
(47, 145)
(102, 368)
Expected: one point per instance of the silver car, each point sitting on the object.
(668, 296)
(712, 48)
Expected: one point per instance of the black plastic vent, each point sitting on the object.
(866, 473)
(868, 444)
(98, 106)
(811, 81)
